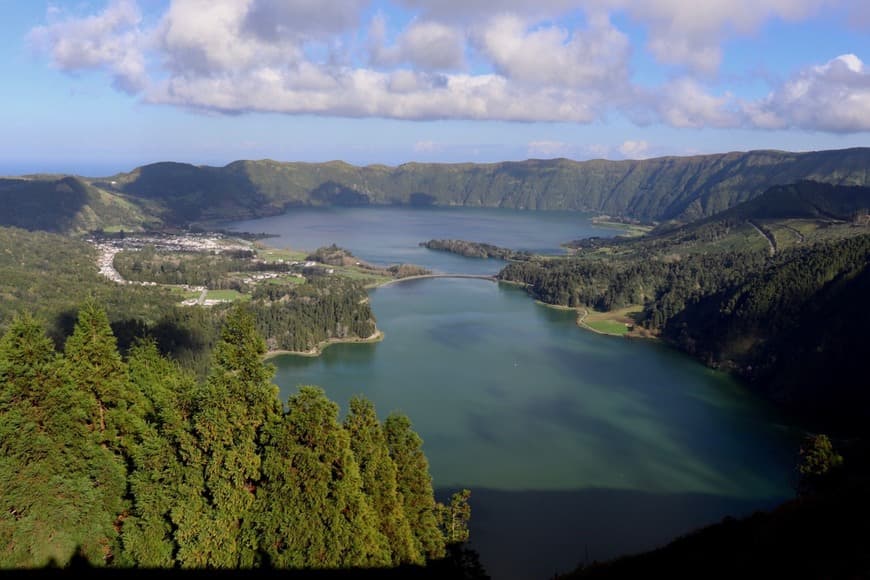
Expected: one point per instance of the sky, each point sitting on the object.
(98, 87)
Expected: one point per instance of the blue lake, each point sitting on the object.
(576, 446)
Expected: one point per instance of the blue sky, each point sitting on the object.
(96, 87)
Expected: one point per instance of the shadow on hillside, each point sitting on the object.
(193, 192)
(48, 205)
(527, 535)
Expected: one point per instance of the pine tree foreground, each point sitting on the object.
(130, 465)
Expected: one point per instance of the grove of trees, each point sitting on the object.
(134, 462)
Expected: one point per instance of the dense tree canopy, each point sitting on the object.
(134, 462)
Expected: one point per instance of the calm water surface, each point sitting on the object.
(576, 446)
(391, 235)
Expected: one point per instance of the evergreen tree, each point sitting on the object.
(214, 527)
(62, 484)
(156, 482)
(27, 375)
(455, 517)
(26, 363)
(818, 461)
(94, 365)
(135, 464)
(415, 484)
(378, 471)
(110, 409)
(312, 512)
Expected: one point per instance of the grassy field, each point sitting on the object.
(366, 276)
(616, 322)
(608, 327)
(287, 279)
(275, 255)
(628, 230)
(182, 293)
(229, 295)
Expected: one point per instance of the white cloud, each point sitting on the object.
(273, 20)
(367, 93)
(474, 10)
(692, 33)
(684, 103)
(477, 59)
(425, 45)
(679, 32)
(109, 40)
(432, 46)
(594, 58)
(833, 97)
(634, 149)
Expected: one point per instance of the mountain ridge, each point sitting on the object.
(678, 188)
(661, 188)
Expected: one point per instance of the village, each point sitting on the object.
(109, 246)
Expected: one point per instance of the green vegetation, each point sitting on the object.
(629, 227)
(354, 268)
(71, 205)
(788, 318)
(819, 534)
(134, 463)
(299, 317)
(226, 295)
(52, 275)
(607, 327)
(654, 189)
(475, 249)
(136, 432)
(278, 255)
(819, 461)
(228, 270)
(651, 190)
(618, 322)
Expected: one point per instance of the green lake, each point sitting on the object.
(576, 446)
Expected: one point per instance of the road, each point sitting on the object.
(771, 242)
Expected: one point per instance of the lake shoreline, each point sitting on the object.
(583, 312)
(318, 349)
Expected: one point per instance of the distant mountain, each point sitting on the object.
(70, 205)
(683, 188)
(805, 199)
(179, 194)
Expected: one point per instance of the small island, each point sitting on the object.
(476, 249)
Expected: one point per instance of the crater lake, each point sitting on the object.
(576, 446)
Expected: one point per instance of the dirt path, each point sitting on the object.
(770, 240)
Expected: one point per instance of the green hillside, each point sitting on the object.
(69, 205)
(658, 189)
(773, 290)
(651, 190)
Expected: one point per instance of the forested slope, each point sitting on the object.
(134, 463)
(50, 275)
(70, 205)
(652, 189)
(773, 290)
(179, 194)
